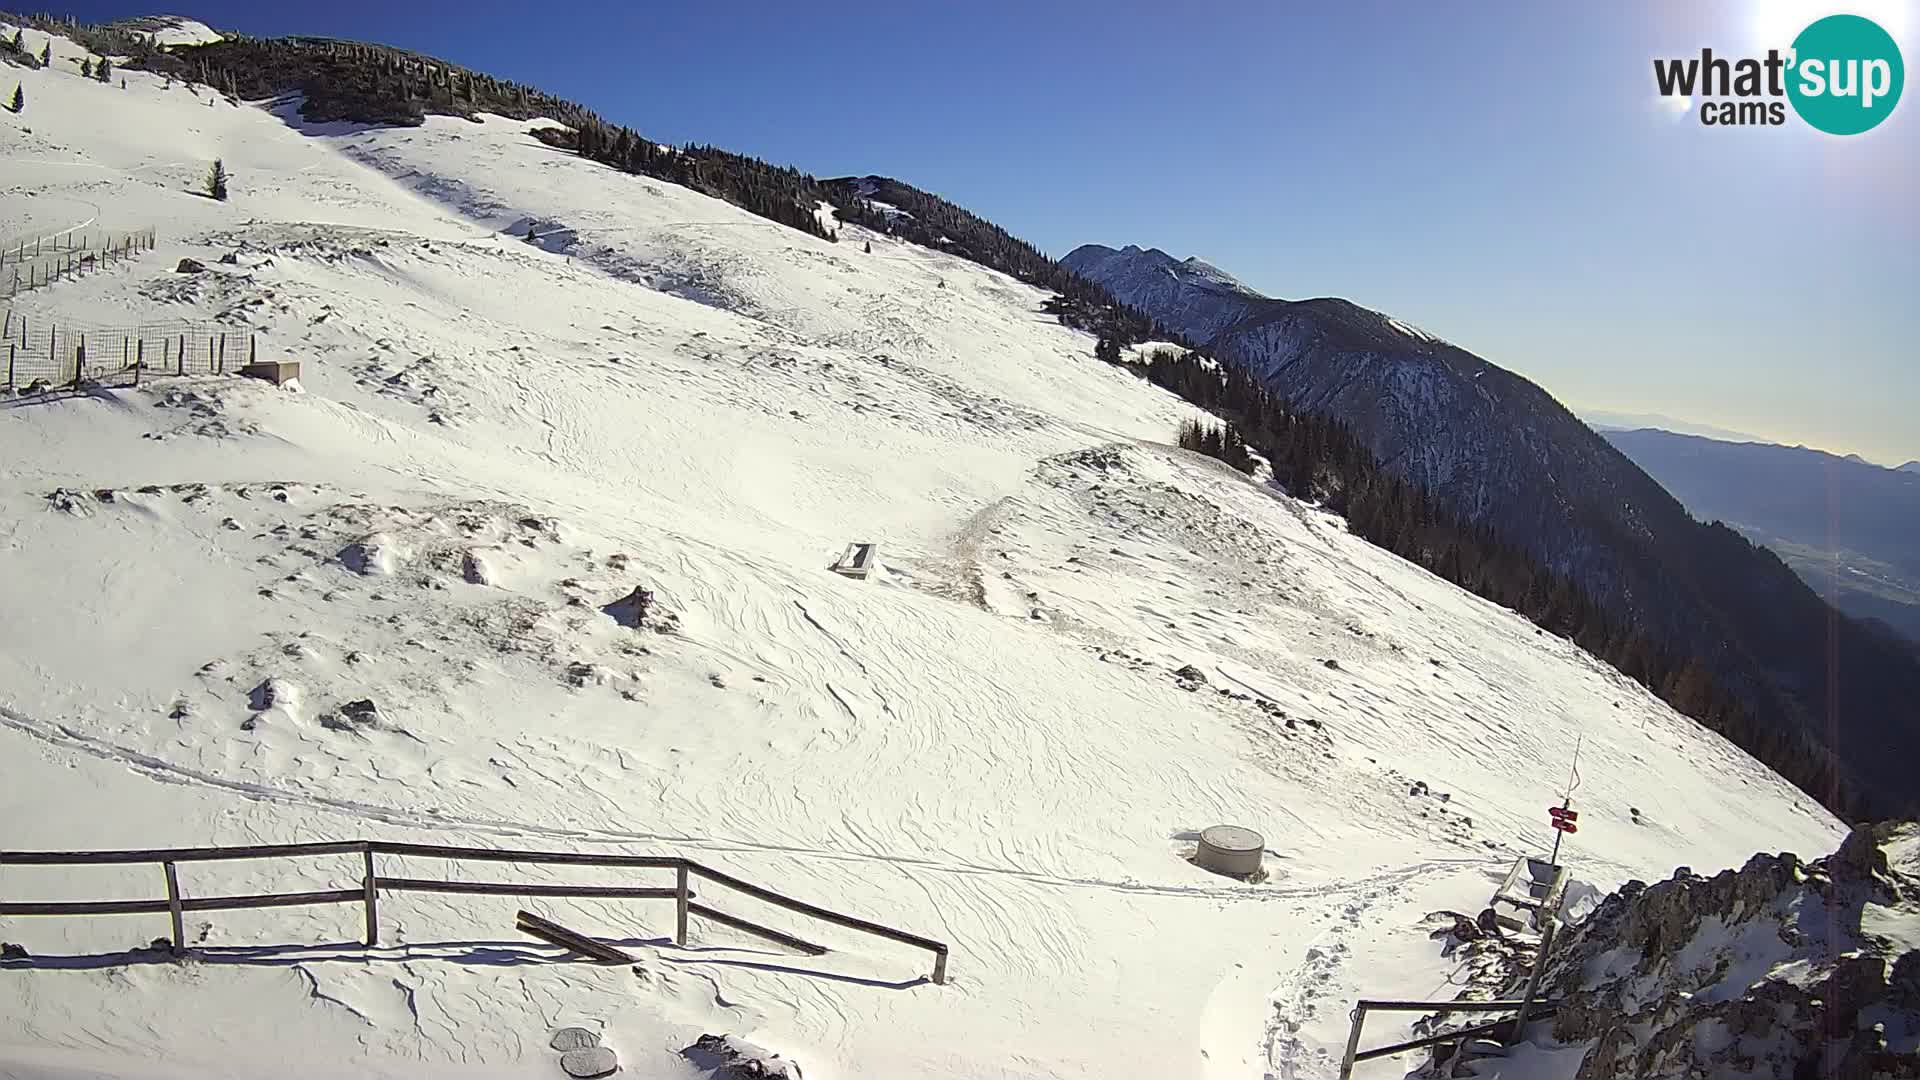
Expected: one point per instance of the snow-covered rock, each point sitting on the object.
(1780, 969)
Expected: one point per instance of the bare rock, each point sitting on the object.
(632, 609)
(726, 1057)
(475, 569)
(190, 266)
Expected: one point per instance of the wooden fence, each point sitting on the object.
(371, 884)
(35, 264)
(61, 355)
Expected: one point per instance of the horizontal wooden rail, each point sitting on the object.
(558, 858)
(490, 888)
(814, 910)
(1540, 1012)
(1440, 1006)
(370, 885)
(201, 903)
(177, 855)
(756, 929)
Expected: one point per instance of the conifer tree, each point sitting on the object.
(86, 68)
(46, 53)
(216, 184)
(19, 44)
(103, 70)
(867, 247)
(19, 99)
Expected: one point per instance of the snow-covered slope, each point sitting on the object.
(994, 745)
(1500, 451)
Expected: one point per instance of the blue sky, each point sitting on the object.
(1500, 174)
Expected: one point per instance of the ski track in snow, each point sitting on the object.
(166, 772)
(497, 441)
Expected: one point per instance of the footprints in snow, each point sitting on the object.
(1302, 995)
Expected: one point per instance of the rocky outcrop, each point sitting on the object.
(1780, 969)
(726, 1057)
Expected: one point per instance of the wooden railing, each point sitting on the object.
(1524, 1012)
(176, 904)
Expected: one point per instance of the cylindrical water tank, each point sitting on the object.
(1230, 850)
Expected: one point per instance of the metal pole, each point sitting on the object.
(173, 908)
(680, 907)
(1533, 980)
(371, 901)
(1353, 1041)
(1558, 835)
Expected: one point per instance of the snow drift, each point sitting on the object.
(207, 580)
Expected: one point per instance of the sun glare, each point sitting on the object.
(1775, 23)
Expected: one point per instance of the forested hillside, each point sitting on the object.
(1317, 457)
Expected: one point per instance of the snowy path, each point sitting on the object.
(993, 744)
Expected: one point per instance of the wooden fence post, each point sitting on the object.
(173, 908)
(9, 367)
(680, 907)
(251, 352)
(1533, 980)
(139, 360)
(79, 361)
(367, 883)
(183, 354)
(210, 364)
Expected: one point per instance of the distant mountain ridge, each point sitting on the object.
(1502, 452)
(1847, 527)
(1605, 420)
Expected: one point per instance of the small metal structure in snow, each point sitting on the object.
(859, 561)
(1230, 850)
(1531, 887)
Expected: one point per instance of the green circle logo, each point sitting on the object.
(1846, 74)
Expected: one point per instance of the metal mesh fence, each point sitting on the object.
(38, 350)
(35, 264)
